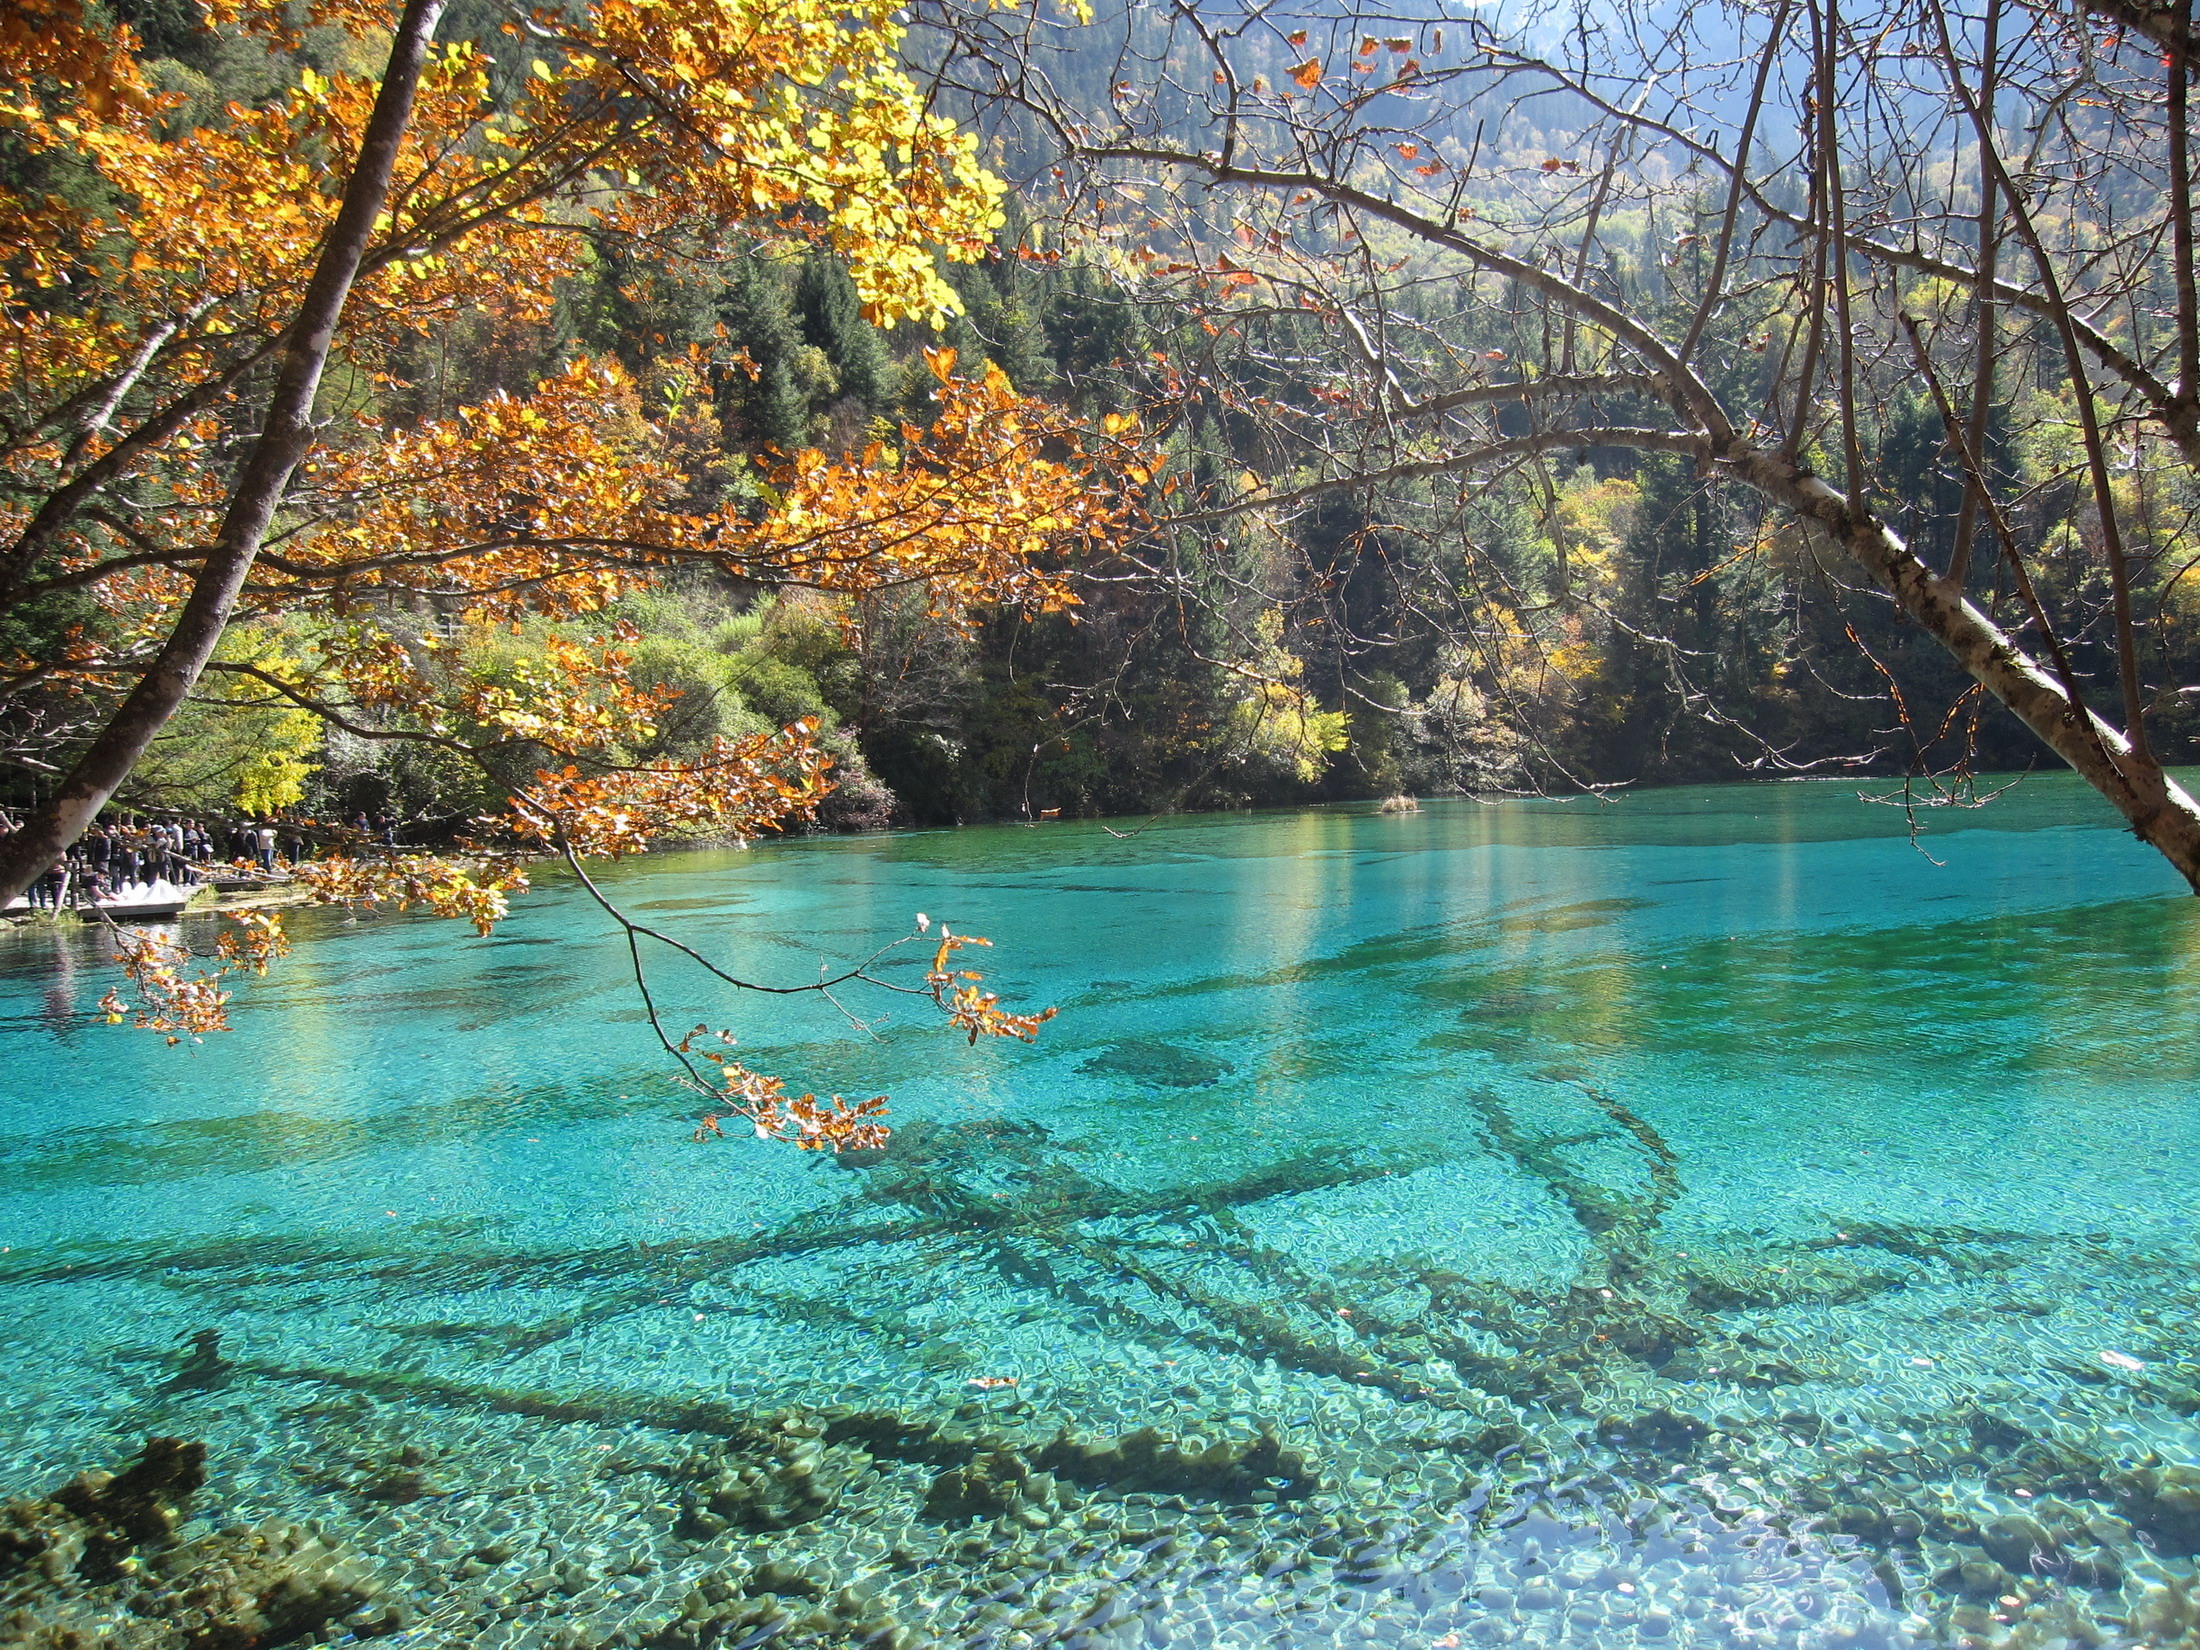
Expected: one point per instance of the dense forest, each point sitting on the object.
(1597, 615)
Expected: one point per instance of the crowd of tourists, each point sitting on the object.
(130, 858)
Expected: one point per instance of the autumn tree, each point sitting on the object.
(206, 316)
(1756, 249)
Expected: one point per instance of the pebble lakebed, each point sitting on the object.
(1223, 1442)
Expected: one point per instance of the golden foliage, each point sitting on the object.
(478, 894)
(741, 788)
(177, 1001)
(802, 1119)
(974, 1012)
(564, 500)
(706, 111)
(838, 1124)
(675, 123)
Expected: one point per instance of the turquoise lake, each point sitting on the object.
(1699, 1218)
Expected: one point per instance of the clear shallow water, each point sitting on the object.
(1698, 1219)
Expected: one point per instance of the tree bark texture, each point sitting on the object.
(286, 431)
(2159, 810)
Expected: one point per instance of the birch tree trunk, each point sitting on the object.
(2160, 811)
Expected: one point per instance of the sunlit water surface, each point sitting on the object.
(1703, 1218)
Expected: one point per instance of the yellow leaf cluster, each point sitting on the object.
(972, 508)
(561, 501)
(172, 997)
(479, 895)
(739, 788)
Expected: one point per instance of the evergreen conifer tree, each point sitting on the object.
(770, 409)
(831, 317)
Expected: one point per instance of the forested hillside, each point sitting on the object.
(1285, 622)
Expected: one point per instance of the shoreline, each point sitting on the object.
(205, 902)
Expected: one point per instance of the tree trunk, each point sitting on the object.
(2160, 811)
(286, 432)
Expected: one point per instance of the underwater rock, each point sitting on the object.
(995, 1485)
(265, 1586)
(1662, 1432)
(1867, 1523)
(391, 1477)
(141, 1501)
(1883, 1527)
(783, 1474)
(1158, 1065)
(776, 1603)
(2053, 1623)
(2020, 1544)
(1145, 1460)
(93, 1523)
(996, 1479)
(783, 1581)
(97, 1563)
(2168, 1614)
(2097, 1570)
(400, 1488)
(1975, 1578)
(1141, 1460)
(1483, 1445)
(2164, 1503)
(1995, 1432)
(895, 1437)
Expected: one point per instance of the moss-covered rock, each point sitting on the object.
(996, 1484)
(90, 1525)
(99, 1563)
(2164, 1503)
(1145, 1460)
(784, 1472)
(2021, 1544)
(1667, 1434)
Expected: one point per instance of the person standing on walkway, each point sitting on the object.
(46, 892)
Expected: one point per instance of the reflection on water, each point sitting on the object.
(1693, 1220)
